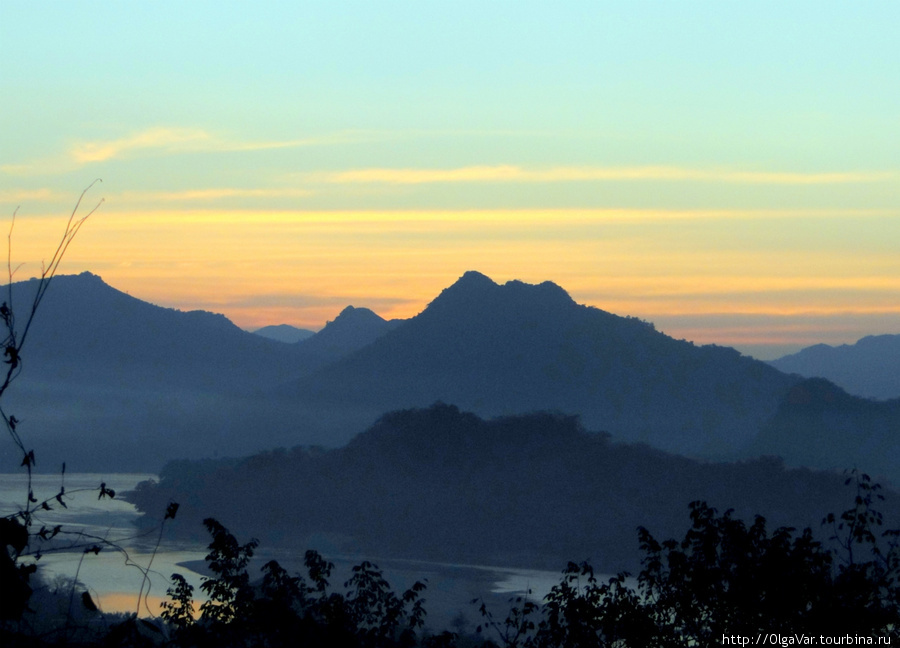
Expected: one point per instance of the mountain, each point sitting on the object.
(444, 485)
(109, 380)
(284, 333)
(350, 331)
(90, 333)
(867, 368)
(515, 348)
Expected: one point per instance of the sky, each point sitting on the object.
(729, 171)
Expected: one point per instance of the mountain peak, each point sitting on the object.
(471, 283)
(474, 278)
(475, 291)
(352, 329)
(353, 315)
(546, 291)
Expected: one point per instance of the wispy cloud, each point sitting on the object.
(216, 194)
(28, 195)
(168, 139)
(510, 173)
(165, 140)
(182, 140)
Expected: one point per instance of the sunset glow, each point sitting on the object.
(728, 173)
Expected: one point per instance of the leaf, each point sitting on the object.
(13, 534)
(13, 354)
(106, 492)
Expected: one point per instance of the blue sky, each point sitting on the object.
(727, 170)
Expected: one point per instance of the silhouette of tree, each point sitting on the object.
(16, 530)
(727, 578)
(281, 609)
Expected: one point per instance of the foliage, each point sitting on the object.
(17, 529)
(281, 609)
(179, 612)
(724, 577)
(727, 578)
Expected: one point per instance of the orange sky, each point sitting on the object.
(754, 278)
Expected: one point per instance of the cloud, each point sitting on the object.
(170, 139)
(182, 140)
(28, 195)
(424, 176)
(217, 193)
(509, 173)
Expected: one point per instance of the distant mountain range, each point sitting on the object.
(112, 382)
(868, 368)
(284, 333)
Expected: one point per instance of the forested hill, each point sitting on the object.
(440, 484)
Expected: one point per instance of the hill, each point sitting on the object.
(867, 368)
(444, 485)
(820, 425)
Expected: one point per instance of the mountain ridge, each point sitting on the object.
(112, 380)
(867, 368)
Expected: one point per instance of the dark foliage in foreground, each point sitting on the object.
(724, 577)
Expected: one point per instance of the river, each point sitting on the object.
(116, 574)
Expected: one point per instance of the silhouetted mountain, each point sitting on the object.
(284, 333)
(89, 332)
(516, 348)
(444, 485)
(111, 381)
(867, 368)
(351, 330)
(820, 425)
